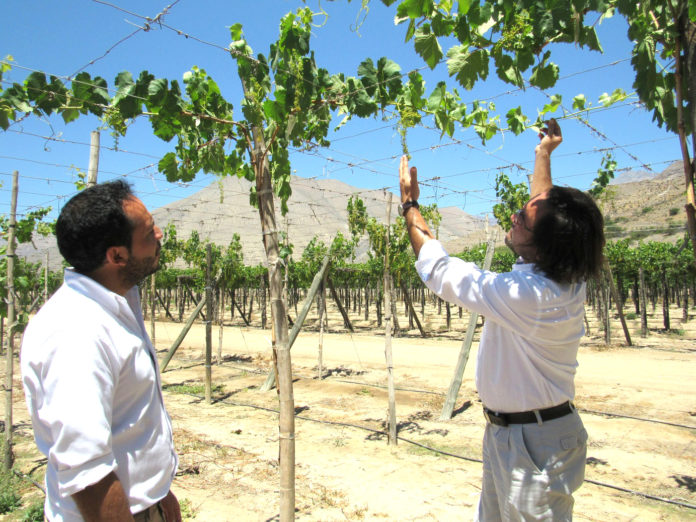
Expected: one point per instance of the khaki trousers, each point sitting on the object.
(530, 471)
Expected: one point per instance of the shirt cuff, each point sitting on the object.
(74, 480)
(430, 253)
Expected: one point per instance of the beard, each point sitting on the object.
(508, 243)
(138, 269)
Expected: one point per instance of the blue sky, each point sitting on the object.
(62, 38)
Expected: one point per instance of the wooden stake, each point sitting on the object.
(306, 306)
(153, 292)
(456, 382)
(8, 454)
(388, 331)
(208, 324)
(93, 159)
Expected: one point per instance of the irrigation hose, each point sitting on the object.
(454, 455)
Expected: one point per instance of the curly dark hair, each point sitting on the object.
(569, 236)
(93, 221)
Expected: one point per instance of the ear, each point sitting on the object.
(117, 256)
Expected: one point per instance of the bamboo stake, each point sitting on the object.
(306, 306)
(456, 383)
(8, 454)
(208, 323)
(93, 168)
(153, 292)
(387, 331)
(182, 335)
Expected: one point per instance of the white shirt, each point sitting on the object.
(92, 386)
(528, 350)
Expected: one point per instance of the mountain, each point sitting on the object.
(650, 208)
(317, 207)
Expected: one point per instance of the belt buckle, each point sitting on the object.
(494, 419)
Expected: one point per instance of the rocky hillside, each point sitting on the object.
(649, 209)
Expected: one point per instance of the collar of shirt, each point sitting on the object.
(113, 303)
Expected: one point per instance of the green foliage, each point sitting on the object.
(673, 211)
(512, 198)
(604, 175)
(34, 513)
(9, 496)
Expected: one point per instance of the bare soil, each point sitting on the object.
(638, 404)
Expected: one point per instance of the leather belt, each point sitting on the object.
(528, 417)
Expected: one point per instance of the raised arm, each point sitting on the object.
(550, 139)
(418, 230)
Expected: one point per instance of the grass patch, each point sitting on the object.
(631, 316)
(365, 391)
(187, 510)
(34, 513)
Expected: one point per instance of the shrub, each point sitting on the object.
(673, 211)
(34, 513)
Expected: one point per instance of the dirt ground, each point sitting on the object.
(638, 404)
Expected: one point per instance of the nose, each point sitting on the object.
(158, 233)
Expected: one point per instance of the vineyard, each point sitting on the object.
(359, 423)
(641, 424)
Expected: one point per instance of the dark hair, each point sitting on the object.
(569, 236)
(93, 221)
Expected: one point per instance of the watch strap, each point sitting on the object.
(405, 207)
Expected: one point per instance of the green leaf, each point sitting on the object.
(436, 97)
(468, 67)
(414, 8)
(236, 32)
(507, 70)
(579, 102)
(156, 92)
(168, 166)
(554, 104)
(272, 111)
(516, 120)
(427, 46)
(545, 74)
(70, 115)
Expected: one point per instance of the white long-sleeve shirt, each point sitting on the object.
(527, 355)
(92, 387)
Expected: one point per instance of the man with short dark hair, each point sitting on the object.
(90, 372)
(534, 445)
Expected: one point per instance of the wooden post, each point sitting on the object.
(181, 336)
(45, 294)
(93, 159)
(306, 306)
(208, 323)
(344, 314)
(456, 383)
(412, 311)
(221, 321)
(322, 320)
(153, 299)
(606, 312)
(8, 454)
(388, 331)
(618, 301)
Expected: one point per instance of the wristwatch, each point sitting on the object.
(405, 207)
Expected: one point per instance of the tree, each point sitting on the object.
(515, 38)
